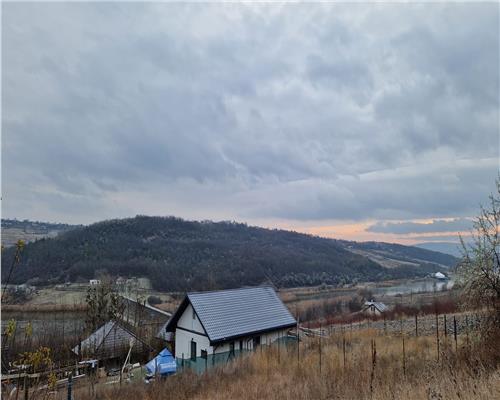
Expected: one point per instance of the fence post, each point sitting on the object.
(455, 332)
(467, 330)
(298, 345)
(445, 327)
(26, 385)
(437, 336)
(343, 347)
(374, 363)
(18, 385)
(404, 357)
(279, 348)
(70, 386)
(320, 334)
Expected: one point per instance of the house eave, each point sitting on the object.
(252, 333)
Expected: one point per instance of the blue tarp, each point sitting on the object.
(165, 362)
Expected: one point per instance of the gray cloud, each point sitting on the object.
(299, 112)
(440, 238)
(437, 225)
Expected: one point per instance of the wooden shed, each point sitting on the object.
(111, 341)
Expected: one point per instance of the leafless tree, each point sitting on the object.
(479, 270)
(103, 304)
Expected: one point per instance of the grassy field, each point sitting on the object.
(375, 367)
(75, 294)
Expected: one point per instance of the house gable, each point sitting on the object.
(189, 321)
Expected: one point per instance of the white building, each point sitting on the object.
(440, 276)
(227, 321)
(94, 282)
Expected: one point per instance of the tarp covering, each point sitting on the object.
(165, 362)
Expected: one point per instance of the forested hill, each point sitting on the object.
(187, 255)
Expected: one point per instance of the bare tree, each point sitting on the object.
(15, 261)
(103, 304)
(479, 270)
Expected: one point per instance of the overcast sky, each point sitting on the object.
(357, 121)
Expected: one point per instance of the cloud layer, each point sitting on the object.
(437, 225)
(249, 112)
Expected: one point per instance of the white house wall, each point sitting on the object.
(183, 344)
(187, 321)
(196, 332)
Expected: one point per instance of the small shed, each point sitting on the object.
(111, 340)
(375, 308)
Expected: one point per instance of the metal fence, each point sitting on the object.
(203, 364)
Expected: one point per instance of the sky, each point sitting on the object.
(355, 121)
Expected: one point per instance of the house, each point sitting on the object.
(24, 288)
(375, 308)
(120, 281)
(219, 324)
(111, 341)
(440, 276)
(94, 282)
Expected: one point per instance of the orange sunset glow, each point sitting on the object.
(358, 231)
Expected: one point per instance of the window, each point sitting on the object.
(256, 341)
(193, 350)
(204, 354)
(241, 345)
(231, 348)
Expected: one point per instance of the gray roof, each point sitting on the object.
(378, 305)
(233, 313)
(108, 341)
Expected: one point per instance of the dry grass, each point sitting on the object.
(276, 374)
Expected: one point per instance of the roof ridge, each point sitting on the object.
(113, 324)
(233, 290)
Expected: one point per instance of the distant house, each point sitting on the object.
(94, 282)
(375, 308)
(221, 323)
(440, 276)
(120, 281)
(111, 341)
(24, 288)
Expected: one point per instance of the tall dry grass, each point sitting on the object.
(465, 373)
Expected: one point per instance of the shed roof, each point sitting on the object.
(108, 341)
(227, 314)
(378, 305)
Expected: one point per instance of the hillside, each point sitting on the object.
(29, 231)
(453, 249)
(188, 255)
(402, 259)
